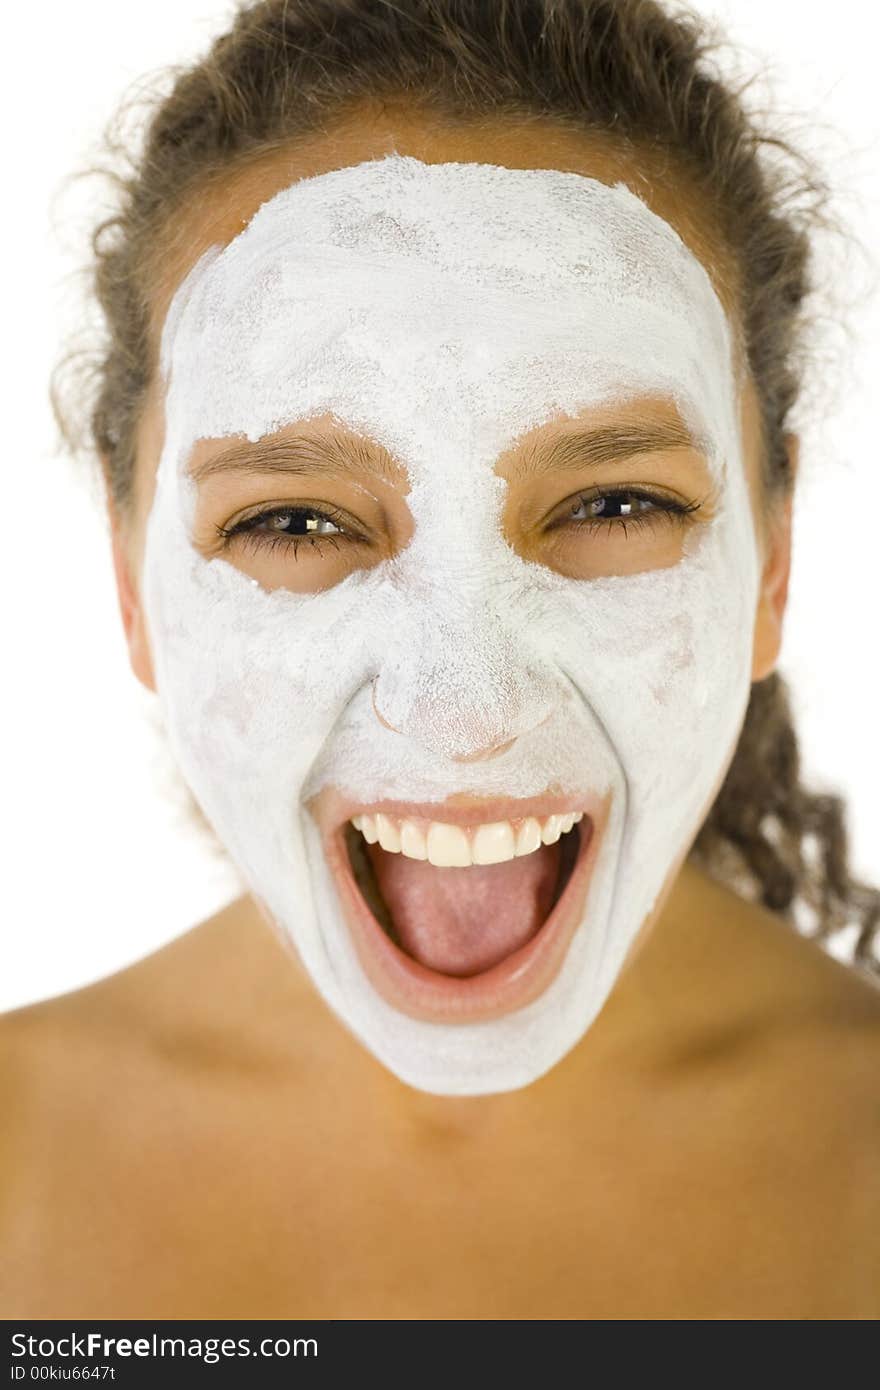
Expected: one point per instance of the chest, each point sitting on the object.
(260, 1229)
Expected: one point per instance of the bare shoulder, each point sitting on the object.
(119, 1098)
(811, 1026)
(82, 1048)
(774, 1062)
(81, 1069)
(208, 995)
(114, 1015)
(781, 965)
(781, 1015)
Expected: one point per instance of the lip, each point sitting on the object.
(426, 994)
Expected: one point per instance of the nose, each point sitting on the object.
(464, 692)
(482, 755)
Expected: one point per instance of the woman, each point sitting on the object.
(443, 419)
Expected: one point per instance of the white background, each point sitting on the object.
(101, 866)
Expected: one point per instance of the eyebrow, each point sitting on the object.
(603, 444)
(331, 456)
(334, 455)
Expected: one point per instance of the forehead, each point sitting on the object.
(223, 203)
(503, 296)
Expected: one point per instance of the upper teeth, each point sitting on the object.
(451, 846)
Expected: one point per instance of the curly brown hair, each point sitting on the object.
(626, 70)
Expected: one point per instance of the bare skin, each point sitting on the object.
(199, 1136)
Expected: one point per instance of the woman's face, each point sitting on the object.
(450, 571)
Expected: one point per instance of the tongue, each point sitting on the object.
(464, 921)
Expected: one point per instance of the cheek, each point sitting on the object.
(659, 657)
(599, 550)
(250, 680)
(664, 658)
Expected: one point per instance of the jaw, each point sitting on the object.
(491, 985)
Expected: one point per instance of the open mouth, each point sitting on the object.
(459, 901)
(463, 921)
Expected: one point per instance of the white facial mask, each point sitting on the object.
(444, 310)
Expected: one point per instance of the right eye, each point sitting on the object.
(288, 527)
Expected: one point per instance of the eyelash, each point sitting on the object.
(663, 508)
(245, 531)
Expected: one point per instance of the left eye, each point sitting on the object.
(624, 505)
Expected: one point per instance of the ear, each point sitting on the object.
(130, 608)
(773, 594)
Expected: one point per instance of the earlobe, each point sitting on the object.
(773, 595)
(131, 610)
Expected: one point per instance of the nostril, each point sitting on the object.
(485, 753)
(376, 711)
